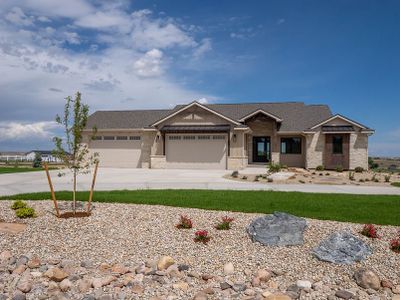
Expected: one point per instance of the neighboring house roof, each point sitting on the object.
(41, 152)
(11, 153)
(294, 116)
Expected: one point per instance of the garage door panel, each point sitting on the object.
(196, 153)
(118, 154)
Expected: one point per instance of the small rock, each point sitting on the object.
(5, 255)
(184, 286)
(396, 289)
(208, 291)
(263, 274)
(239, 287)
(164, 262)
(65, 285)
(367, 279)
(25, 286)
(278, 297)
(249, 292)
(140, 269)
(207, 277)
(183, 268)
(387, 284)
(256, 281)
(84, 285)
(104, 267)
(266, 294)
(138, 289)
(97, 283)
(229, 269)
(224, 285)
(22, 260)
(200, 296)
(19, 269)
(119, 269)
(36, 274)
(304, 284)
(56, 274)
(19, 296)
(343, 294)
(107, 280)
(34, 263)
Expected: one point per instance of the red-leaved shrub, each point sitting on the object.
(395, 243)
(225, 224)
(369, 230)
(201, 236)
(184, 223)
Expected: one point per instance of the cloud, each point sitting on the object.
(18, 17)
(55, 90)
(204, 47)
(150, 65)
(18, 131)
(280, 21)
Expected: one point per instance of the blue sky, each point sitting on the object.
(155, 54)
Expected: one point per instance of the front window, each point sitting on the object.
(337, 144)
(291, 145)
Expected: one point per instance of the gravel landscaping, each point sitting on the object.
(131, 234)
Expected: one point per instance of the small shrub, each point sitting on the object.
(244, 177)
(302, 181)
(18, 204)
(225, 224)
(395, 243)
(366, 179)
(339, 169)
(361, 180)
(387, 177)
(270, 179)
(184, 223)
(321, 174)
(320, 168)
(37, 162)
(274, 168)
(313, 173)
(327, 174)
(235, 174)
(369, 230)
(351, 176)
(359, 169)
(25, 212)
(201, 236)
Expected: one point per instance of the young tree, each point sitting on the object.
(37, 161)
(71, 149)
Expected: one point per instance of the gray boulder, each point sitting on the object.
(278, 229)
(342, 248)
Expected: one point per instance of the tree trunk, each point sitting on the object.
(74, 194)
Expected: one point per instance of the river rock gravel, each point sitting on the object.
(134, 235)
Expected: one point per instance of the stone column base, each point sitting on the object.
(158, 161)
(237, 162)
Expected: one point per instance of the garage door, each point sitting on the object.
(118, 151)
(196, 151)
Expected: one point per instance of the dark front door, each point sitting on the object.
(337, 151)
(261, 149)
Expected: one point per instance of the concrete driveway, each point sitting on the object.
(117, 179)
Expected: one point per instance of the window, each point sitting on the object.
(189, 137)
(134, 138)
(122, 138)
(203, 137)
(218, 137)
(97, 138)
(174, 137)
(337, 144)
(291, 145)
(108, 138)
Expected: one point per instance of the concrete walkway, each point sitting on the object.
(118, 179)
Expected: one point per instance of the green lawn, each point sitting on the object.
(5, 170)
(377, 209)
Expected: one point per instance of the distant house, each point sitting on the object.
(46, 156)
(229, 136)
(12, 156)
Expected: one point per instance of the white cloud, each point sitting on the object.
(150, 64)
(18, 131)
(203, 100)
(204, 47)
(105, 20)
(18, 17)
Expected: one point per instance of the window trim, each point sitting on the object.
(291, 147)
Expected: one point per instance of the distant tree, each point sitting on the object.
(37, 161)
(71, 149)
(372, 164)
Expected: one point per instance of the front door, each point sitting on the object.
(261, 149)
(337, 151)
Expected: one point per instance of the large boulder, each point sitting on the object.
(342, 248)
(278, 229)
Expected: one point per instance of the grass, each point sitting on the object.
(6, 170)
(375, 209)
(397, 184)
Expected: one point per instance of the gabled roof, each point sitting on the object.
(293, 116)
(261, 111)
(343, 118)
(194, 103)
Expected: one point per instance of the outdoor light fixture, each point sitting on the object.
(234, 137)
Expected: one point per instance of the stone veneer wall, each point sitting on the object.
(315, 144)
(358, 150)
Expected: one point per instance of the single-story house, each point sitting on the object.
(229, 136)
(12, 156)
(46, 155)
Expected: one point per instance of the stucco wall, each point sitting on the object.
(193, 116)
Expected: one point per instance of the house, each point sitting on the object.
(12, 156)
(229, 136)
(46, 155)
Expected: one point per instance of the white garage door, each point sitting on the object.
(118, 151)
(196, 151)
